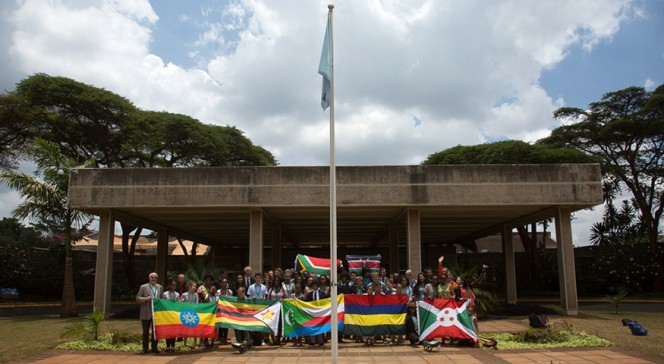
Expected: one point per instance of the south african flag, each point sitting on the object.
(183, 319)
(305, 263)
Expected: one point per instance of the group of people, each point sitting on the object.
(278, 284)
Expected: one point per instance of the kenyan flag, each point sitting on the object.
(445, 318)
(305, 263)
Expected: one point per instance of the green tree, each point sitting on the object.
(514, 152)
(625, 131)
(45, 201)
(91, 123)
(508, 152)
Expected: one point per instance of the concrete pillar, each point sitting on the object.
(393, 241)
(276, 247)
(162, 254)
(566, 270)
(256, 240)
(414, 244)
(104, 265)
(510, 269)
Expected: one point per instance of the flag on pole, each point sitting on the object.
(248, 314)
(357, 262)
(302, 318)
(305, 263)
(324, 67)
(375, 315)
(183, 319)
(444, 317)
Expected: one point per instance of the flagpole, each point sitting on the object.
(333, 203)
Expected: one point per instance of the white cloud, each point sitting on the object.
(467, 70)
(649, 84)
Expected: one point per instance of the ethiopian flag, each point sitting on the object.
(305, 263)
(445, 318)
(248, 314)
(183, 319)
(308, 318)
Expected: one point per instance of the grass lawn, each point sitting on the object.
(28, 336)
(608, 326)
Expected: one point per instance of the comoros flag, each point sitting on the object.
(308, 318)
(358, 262)
(183, 319)
(445, 318)
(305, 263)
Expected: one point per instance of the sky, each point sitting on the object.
(411, 77)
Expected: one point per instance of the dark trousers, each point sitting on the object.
(148, 334)
(222, 334)
(244, 337)
(413, 338)
(170, 343)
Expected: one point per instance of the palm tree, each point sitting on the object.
(45, 201)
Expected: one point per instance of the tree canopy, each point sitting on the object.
(625, 131)
(508, 152)
(90, 123)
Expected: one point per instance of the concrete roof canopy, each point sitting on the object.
(457, 203)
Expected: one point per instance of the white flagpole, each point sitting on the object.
(333, 204)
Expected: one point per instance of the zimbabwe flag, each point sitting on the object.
(183, 319)
(248, 314)
(444, 317)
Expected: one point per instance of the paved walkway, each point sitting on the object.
(355, 355)
(359, 354)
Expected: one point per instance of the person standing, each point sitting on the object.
(173, 296)
(146, 293)
(315, 295)
(223, 291)
(258, 289)
(182, 284)
(248, 278)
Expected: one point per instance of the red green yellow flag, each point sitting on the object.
(183, 319)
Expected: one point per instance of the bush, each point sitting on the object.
(533, 335)
(120, 337)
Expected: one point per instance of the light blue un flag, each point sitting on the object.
(324, 68)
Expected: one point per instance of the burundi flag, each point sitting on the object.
(445, 318)
(302, 318)
(248, 314)
(357, 262)
(183, 319)
(375, 315)
(305, 263)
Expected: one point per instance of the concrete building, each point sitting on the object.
(248, 208)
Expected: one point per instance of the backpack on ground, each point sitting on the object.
(538, 321)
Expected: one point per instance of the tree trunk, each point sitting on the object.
(128, 251)
(658, 282)
(68, 307)
(530, 246)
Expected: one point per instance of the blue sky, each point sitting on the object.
(634, 55)
(412, 78)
